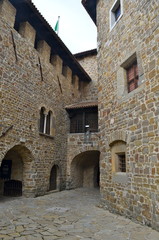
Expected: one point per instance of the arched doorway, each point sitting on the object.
(85, 170)
(54, 178)
(15, 172)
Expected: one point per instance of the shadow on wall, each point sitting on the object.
(85, 170)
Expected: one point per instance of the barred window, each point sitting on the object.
(79, 118)
(118, 153)
(121, 162)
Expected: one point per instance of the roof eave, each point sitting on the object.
(90, 6)
(63, 51)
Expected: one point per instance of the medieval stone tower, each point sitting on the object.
(128, 95)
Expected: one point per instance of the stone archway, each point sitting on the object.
(85, 170)
(54, 183)
(16, 172)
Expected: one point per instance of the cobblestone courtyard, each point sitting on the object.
(67, 215)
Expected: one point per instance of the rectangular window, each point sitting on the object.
(116, 12)
(132, 76)
(121, 162)
(79, 118)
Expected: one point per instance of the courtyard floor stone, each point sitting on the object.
(66, 215)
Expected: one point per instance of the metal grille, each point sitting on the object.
(81, 118)
(13, 188)
(122, 162)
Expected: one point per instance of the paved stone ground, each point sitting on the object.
(67, 215)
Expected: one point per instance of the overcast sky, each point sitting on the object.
(76, 28)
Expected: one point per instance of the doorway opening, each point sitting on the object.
(85, 170)
(54, 178)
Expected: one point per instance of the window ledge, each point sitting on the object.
(46, 135)
(127, 95)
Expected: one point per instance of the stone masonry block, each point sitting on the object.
(7, 12)
(44, 49)
(28, 32)
(76, 82)
(57, 62)
(68, 73)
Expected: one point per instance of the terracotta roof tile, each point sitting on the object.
(82, 105)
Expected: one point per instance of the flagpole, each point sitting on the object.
(58, 25)
(56, 29)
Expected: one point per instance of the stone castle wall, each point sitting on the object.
(89, 63)
(76, 144)
(130, 118)
(29, 81)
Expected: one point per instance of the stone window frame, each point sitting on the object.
(122, 85)
(112, 13)
(118, 148)
(46, 122)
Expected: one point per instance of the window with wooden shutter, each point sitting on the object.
(132, 76)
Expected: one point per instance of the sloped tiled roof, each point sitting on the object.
(82, 105)
(26, 11)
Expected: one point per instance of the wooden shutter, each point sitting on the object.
(132, 77)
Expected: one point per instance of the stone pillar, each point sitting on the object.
(44, 49)
(7, 12)
(28, 32)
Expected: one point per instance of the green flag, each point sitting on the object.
(56, 29)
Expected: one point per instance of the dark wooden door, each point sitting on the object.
(53, 178)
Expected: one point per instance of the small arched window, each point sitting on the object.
(42, 120)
